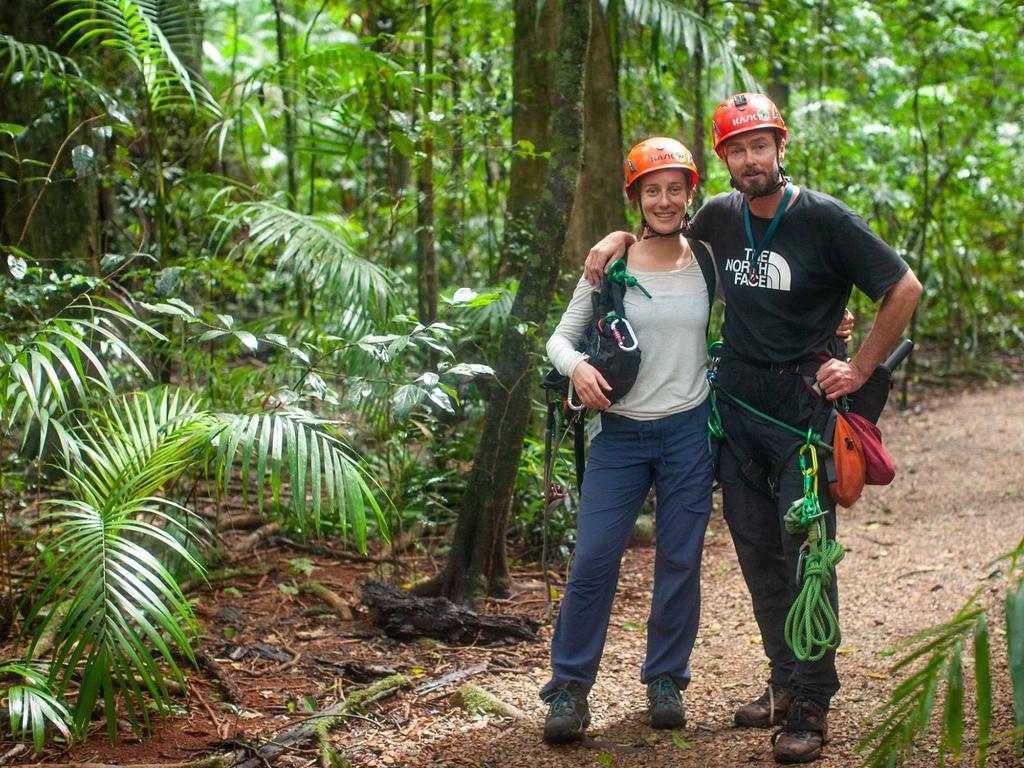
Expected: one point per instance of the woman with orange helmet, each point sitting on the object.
(654, 434)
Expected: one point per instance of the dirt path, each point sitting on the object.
(915, 552)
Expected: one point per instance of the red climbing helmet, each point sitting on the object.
(742, 113)
(654, 154)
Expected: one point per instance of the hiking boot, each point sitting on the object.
(804, 734)
(665, 703)
(568, 713)
(768, 709)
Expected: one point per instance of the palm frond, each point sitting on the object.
(937, 656)
(674, 26)
(133, 28)
(122, 601)
(346, 59)
(100, 555)
(28, 58)
(318, 249)
(62, 362)
(32, 705)
(321, 74)
(318, 463)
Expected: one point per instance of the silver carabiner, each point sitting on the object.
(581, 406)
(629, 330)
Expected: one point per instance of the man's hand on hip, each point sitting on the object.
(838, 377)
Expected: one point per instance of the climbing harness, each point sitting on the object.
(812, 628)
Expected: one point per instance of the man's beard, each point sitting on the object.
(759, 185)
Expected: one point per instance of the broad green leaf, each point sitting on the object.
(83, 159)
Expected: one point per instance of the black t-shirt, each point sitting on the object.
(786, 305)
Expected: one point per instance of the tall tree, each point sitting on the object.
(64, 224)
(426, 259)
(540, 203)
(598, 205)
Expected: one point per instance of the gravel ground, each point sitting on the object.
(915, 552)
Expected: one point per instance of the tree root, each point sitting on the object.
(320, 725)
(204, 762)
(331, 598)
(475, 700)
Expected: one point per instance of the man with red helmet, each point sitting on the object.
(788, 258)
(646, 432)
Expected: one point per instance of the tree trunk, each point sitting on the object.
(598, 207)
(536, 35)
(698, 146)
(65, 224)
(477, 562)
(426, 258)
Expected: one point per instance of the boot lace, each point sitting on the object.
(562, 703)
(663, 691)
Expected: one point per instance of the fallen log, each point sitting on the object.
(322, 723)
(248, 544)
(228, 690)
(403, 615)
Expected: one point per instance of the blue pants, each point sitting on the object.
(626, 458)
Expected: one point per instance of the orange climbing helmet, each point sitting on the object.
(654, 154)
(742, 113)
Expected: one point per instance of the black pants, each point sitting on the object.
(769, 555)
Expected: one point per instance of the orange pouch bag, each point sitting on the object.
(850, 465)
(880, 469)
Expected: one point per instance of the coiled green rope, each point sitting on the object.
(812, 627)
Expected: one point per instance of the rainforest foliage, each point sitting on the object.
(305, 253)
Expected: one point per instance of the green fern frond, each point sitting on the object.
(32, 705)
(27, 58)
(321, 250)
(133, 28)
(674, 26)
(326, 481)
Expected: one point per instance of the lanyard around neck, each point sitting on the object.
(759, 249)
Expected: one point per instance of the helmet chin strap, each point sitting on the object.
(674, 233)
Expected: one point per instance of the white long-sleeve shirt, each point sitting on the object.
(671, 329)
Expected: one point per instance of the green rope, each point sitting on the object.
(812, 437)
(617, 274)
(715, 429)
(812, 627)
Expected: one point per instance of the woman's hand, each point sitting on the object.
(604, 253)
(589, 386)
